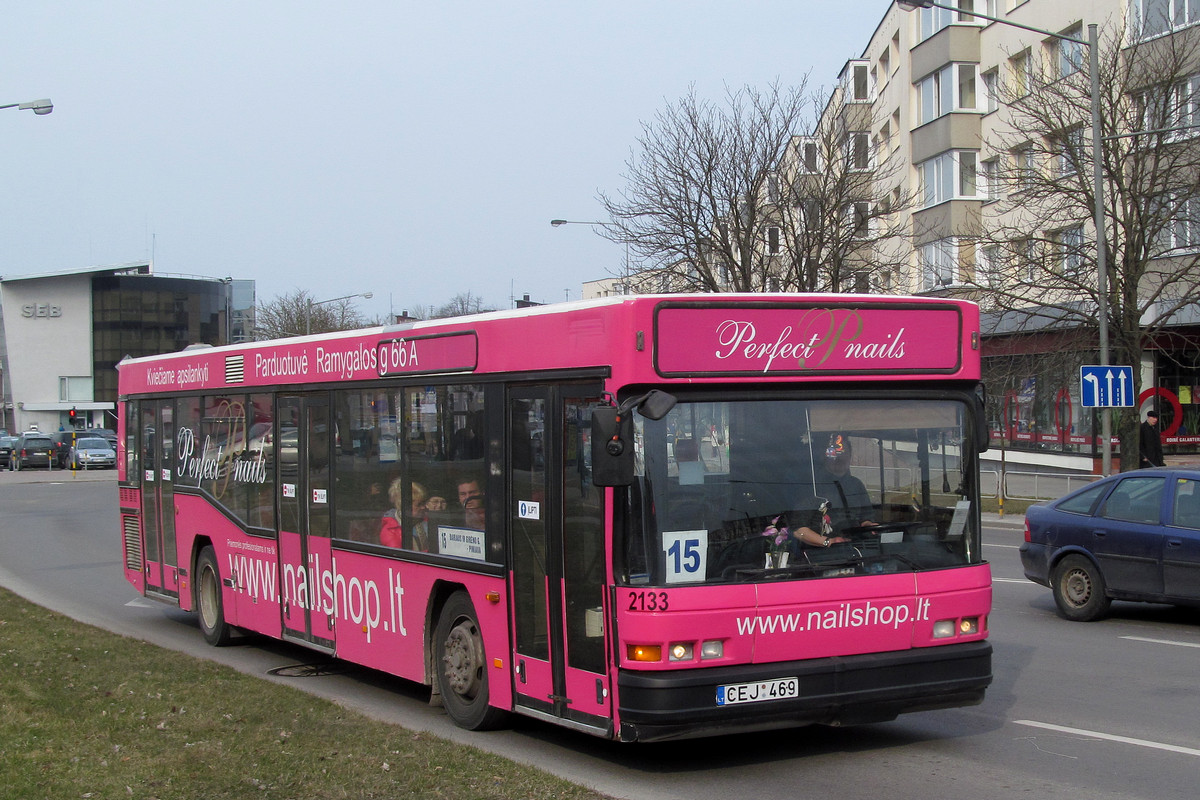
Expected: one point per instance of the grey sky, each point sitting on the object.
(412, 150)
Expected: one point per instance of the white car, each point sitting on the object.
(92, 452)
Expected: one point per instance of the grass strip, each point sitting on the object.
(88, 714)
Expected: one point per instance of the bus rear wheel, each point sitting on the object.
(461, 667)
(208, 600)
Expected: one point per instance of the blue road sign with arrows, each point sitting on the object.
(1106, 386)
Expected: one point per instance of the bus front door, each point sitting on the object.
(556, 523)
(304, 448)
(157, 437)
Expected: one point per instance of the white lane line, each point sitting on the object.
(1187, 751)
(1014, 580)
(1160, 641)
(1005, 546)
(141, 602)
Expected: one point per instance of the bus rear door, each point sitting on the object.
(556, 523)
(304, 445)
(156, 432)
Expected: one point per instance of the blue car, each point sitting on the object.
(1130, 536)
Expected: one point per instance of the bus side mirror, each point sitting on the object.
(612, 447)
(612, 436)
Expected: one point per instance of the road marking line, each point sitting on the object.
(1013, 580)
(1160, 641)
(1187, 751)
(1005, 546)
(142, 602)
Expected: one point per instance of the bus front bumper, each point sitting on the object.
(844, 690)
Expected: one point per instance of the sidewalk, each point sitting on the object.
(8, 477)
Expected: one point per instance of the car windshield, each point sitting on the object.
(92, 444)
(782, 489)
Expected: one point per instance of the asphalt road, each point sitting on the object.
(1101, 710)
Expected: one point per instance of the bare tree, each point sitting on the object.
(296, 313)
(727, 197)
(1038, 256)
(838, 200)
(460, 305)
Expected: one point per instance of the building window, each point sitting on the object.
(858, 89)
(935, 19)
(1156, 17)
(810, 161)
(949, 176)
(773, 242)
(1176, 110)
(1024, 168)
(939, 264)
(1069, 152)
(987, 265)
(858, 147)
(989, 182)
(1069, 244)
(951, 88)
(991, 90)
(1185, 225)
(72, 389)
(858, 216)
(1070, 54)
(1021, 71)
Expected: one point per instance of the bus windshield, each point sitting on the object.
(778, 489)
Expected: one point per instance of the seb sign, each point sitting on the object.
(47, 310)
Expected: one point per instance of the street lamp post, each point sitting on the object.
(1092, 44)
(314, 303)
(558, 223)
(39, 107)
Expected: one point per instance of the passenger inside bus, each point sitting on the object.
(391, 532)
(470, 498)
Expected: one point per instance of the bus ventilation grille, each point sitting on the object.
(133, 543)
(129, 497)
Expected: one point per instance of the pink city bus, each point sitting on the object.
(642, 518)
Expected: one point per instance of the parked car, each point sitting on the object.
(62, 446)
(7, 445)
(1130, 536)
(92, 452)
(103, 433)
(34, 449)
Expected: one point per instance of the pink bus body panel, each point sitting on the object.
(379, 606)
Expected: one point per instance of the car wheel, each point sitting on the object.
(461, 667)
(1079, 590)
(209, 601)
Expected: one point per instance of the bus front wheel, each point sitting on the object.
(461, 667)
(208, 600)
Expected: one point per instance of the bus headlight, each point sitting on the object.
(680, 651)
(712, 649)
(949, 628)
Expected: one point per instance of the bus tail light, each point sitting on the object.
(645, 652)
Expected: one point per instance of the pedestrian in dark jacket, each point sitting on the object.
(1151, 442)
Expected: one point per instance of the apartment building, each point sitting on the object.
(941, 104)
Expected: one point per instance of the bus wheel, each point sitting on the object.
(1079, 590)
(208, 601)
(462, 667)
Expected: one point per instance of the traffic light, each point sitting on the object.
(71, 414)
